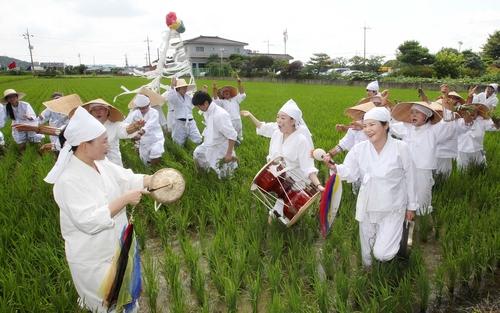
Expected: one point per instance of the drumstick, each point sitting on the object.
(319, 154)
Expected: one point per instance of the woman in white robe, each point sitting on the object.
(387, 193)
(92, 194)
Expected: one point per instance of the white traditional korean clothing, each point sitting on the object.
(232, 106)
(3, 118)
(151, 144)
(161, 116)
(490, 102)
(22, 112)
(116, 131)
(470, 143)
(54, 119)
(351, 138)
(387, 191)
(90, 234)
(216, 134)
(184, 126)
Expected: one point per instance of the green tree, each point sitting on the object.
(319, 62)
(237, 61)
(357, 63)
(292, 70)
(491, 49)
(448, 63)
(374, 63)
(340, 62)
(473, 66)
(412, 53)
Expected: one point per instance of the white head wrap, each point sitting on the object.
(380, 114)
(428, 112)
(494, 86)
(373, 86)
(141, 101)
(82, 127)
(292, 109)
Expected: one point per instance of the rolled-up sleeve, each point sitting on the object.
(267, 129)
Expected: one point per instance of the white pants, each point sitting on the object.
(464, 159)
(444, 166)
(151, 150)
(423, 186)
(183, 130)
(209, 157)
(23, 137)
(170, 120)
(382, 238)
(2, 140)
(238, 126)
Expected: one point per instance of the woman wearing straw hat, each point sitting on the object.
(152, 141)
(20, 112)
(419, 127)
(387, 194)
(184, 125)
(230, 99)
(476, 118)
(92, 194)
(54, 119)
(112, 119)
(219, 137)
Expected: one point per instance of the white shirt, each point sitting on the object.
(491, 102)
(152, 126)
(422, 141)
(53, 118)
(295, 150)
(267, 130)
(219, 128)
(20, 111)
(351, 138)
(90, 234)
(3, 116)
(472, 140)
(387, 179)
(115, 132)
(182, 106)
(232, 106)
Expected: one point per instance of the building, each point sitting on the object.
(199, 49)
(275, 56)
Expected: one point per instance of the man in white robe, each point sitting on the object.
(229, 99)
(219, 137)
(184, 126)
(488, 97)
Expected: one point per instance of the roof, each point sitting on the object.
(272, 55)
(213, 40)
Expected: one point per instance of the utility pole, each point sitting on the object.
(149, 55)
(285, 38)
(460, 43)
(126, 61)
(158, 53)
(79, 59)
(30, 47)
(364, 44)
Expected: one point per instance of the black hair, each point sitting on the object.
(383, 124)
(62, 140)
(10, 111)
(200, 97)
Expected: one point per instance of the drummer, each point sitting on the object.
(290, 139)
(92, 194)
(387, 193)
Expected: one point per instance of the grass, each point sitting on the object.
(218, 254)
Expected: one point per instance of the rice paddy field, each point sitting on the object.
(214, 251)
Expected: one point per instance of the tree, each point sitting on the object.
(81, 69)
(319, 62)
(262, 62)
(357, 63)
(374, 63)
(491, 49)
(448, 63)
(473, 66)
(412, 53)
(340, 62)
(237, 61)
(292, 70)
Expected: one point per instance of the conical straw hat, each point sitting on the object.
(114, 114)
(402, 111)
(65, 104)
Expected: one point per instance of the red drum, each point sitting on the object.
(286, 195)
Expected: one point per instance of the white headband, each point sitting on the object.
(292, 109)
(82, 127)
(428, 112)
(380, 114)
(373, 86)
(141, 101)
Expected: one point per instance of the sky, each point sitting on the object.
(104, 31)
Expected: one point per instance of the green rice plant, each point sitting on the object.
(342, 288)
(254, 284)
(171, 270)
(274, 273)
(276, 305)
(322, 294)
(151, 281)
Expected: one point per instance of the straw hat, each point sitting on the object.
(167, 185)
(402, 111)
(181, 82)
(64, 104)
(482, 110)
(114, 114)
(155, 98)
(232, 91)
(456, 96)
(9, 92)
(385, 102)
(356, 112)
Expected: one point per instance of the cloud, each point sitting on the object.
(108, 8)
